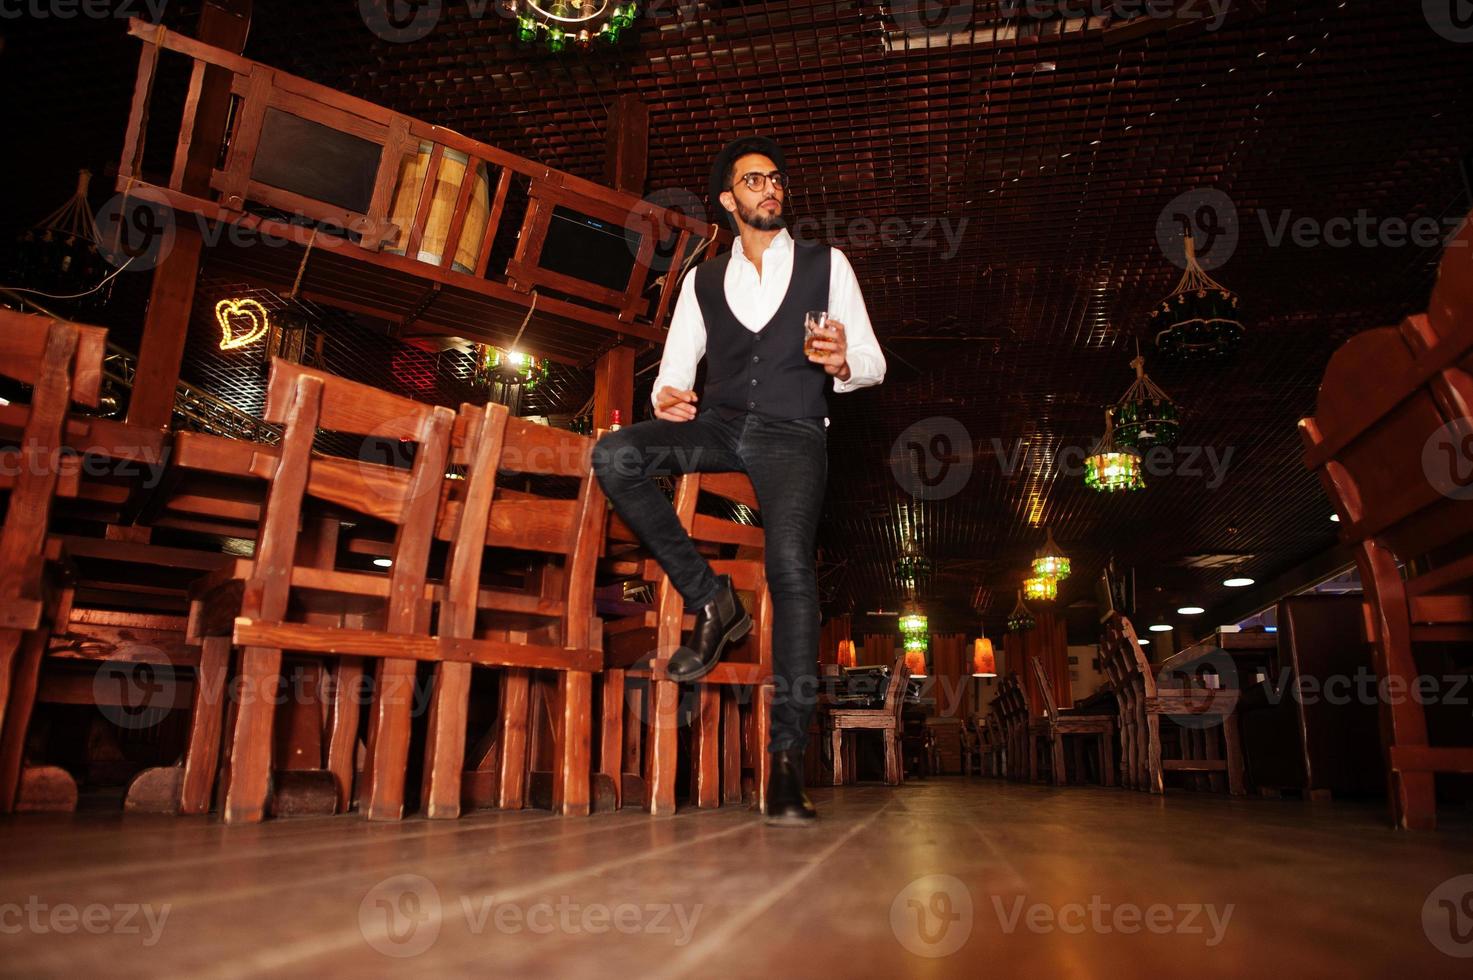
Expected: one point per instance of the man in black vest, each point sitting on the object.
(763, 412)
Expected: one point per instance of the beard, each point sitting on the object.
(762, 220)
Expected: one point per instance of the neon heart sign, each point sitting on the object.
(242, 322)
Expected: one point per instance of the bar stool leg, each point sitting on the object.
(516, 707)
(706, 730)
(202, 756)
(761, 737)
(660, 759)
(731, 748)
(571, 784)
(611, 732)
(248, 787)
(445, 749)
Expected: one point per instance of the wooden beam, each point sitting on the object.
(613, 387)
(626, 163)
(165, 327)
(222, 24)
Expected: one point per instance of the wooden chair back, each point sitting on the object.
(514, 499)
(733, 494)
(62, 362)
(1050, 709)
(395, 614)
(499, 450)
(895, 689)
(1392, 443)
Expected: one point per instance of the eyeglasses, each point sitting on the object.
(756, 180)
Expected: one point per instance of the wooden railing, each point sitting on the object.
(387, 218)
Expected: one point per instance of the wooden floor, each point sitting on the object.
(1052, 882)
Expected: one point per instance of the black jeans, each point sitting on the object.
(788, 465)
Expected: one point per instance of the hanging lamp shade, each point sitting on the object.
(911, 565)
(1201, 319)
(495, 365)
(848, 656)
(579, 22)
(1109, 468)
(1042, 588)
(1145, 416)
(63, 254)
(984, 658)
(1050, 561)
(1020, 619)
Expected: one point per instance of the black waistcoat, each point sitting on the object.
(765, 373)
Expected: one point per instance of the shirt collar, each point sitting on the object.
(782, 241)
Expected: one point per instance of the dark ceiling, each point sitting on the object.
(1051, 148)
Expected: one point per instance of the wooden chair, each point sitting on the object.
(885, 719)
(548, 627)
(731, 706)
(973, 734)
(1012, 704)
(995, 744)
(1144, 699)
(62, 362)
(273, 602)
(1389, 440)
(1061, 725)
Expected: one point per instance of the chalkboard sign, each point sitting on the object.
(317, 162)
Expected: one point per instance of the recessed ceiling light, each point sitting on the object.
(1160, 627)
(1190, 611)
(1144, 642)
(1240, 582)
(1335, 518)
(384, 562)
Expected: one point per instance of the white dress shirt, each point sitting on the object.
(754, 299)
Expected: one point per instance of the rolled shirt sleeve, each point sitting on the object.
(685, 342)
(846, 304)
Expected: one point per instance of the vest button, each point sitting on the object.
(754, 382)
(751, 404)
(755, 359)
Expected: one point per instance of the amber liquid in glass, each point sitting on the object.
(812, 323)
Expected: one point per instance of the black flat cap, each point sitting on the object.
(734, 151)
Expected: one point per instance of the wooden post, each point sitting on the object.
(626, 163)
(613, 387)
(222, 24)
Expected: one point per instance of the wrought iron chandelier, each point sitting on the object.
(1200, 320)
(581, 23)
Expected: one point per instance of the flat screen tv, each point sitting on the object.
(587, 248)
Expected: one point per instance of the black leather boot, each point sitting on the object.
(787, 804)
(719, 622)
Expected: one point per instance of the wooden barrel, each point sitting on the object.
(437, 225)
